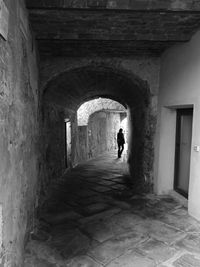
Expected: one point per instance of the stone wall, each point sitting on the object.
(52, 144)
(19, 127)
(54, 160)
(100, 134)
(97, 134)
(83, 149)
(92, 106)
(147, 68)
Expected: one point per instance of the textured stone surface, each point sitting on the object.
(191, 242)
(52, 144)
(132, 259)
(145, 68)
(41, 254)
(137, 236)
(118, 4)
(92, 106)
(187, 260)
(125, 30)
(19, 132)
(157, 250)
(106, 48)
(1, 232)
(176, 26)
(84, 261)
(103, 127)
(99, 231)
(115, 247)
(164, 232)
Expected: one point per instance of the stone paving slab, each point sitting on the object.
(127, 220)
(83, 261)
(173, 220)
(91, 200)
(40, 253)
(101, 189)
(33, 262)
(116, 247)
(187, 260)
(70, 242)
(99, 231)
(156, 250)
(96, 208)
(132, 259)
(106, 182)
(62, 217)
(121, 204)
(191, 243)
(183, 259)
(164, 232)
(180, 211)
(100, 216)
(85, 193)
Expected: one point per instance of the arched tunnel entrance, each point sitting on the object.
(65, 93)
(99, 121)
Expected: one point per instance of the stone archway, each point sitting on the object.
(99, 121)
(65, 92)
(91, 106)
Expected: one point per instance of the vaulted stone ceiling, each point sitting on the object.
(122, 28)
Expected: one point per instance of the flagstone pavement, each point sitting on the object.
(93, 219)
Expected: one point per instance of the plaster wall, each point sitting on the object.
(19, 131)
(179, 88)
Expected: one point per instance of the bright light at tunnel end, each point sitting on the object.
(92, 106)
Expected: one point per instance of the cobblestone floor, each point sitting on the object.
(92, 219)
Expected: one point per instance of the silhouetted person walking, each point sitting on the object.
(120, 142)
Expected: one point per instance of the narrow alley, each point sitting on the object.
(92, 219)
(81, 82)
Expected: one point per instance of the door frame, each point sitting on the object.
(179, 112)
(67, 143)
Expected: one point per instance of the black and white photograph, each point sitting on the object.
(99, 133)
